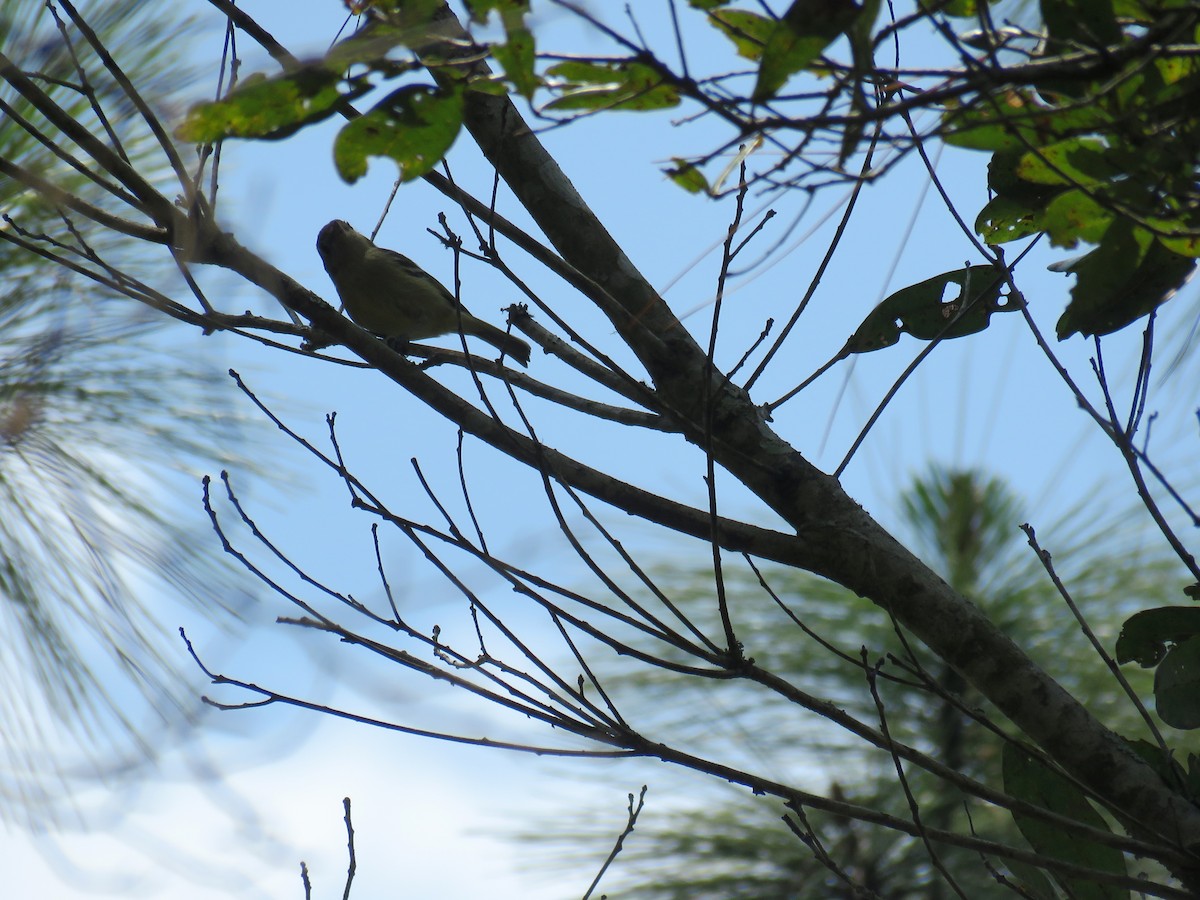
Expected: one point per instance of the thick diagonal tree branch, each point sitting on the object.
(835, 538)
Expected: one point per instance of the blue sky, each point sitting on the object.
(424, 810)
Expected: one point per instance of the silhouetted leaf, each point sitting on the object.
(1028, 779)
(1146, 636)
(807, 28)
(1128, 276)
(1177, 685)
(921, 310)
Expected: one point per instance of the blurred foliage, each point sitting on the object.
(101, 421)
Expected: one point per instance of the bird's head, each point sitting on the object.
(335, 240)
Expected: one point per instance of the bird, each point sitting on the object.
(387, 293)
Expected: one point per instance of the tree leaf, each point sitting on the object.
(807, 28)
(1073, 216)
(1128, 276)
(688, 177)
(1005, 219)
(621, 85)
(1177, 685)
(481, 9)
(1016, 120)
(1146, 636)
(1031, 781)
(275, 107)
(1164, 763)
(1071, 23)
(414, 125)
(413, 16)
(748, 31)
(517, 54)
(995, 123)
(920, 310)
(267, 108)
(1017, 208)
(961, 9)
(517, 57)
(1075, 162)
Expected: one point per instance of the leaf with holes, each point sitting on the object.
(921, 310)
(414, 125)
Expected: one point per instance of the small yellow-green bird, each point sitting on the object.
(392, 296)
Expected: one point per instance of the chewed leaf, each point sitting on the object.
(920, 309)
(1147, 636)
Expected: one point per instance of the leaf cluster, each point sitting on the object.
(1091, 121)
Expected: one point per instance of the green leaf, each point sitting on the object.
(1071, 23)
(517, 55)
(1028, 779)
(1185, 244)
(481, 9)
(1004, 219)
(960, 9)
(413, 16)
(267, 108)
(276, 107)
(1177, 685)
(493, 85)
(1167, 767)
(920, 310)
(688, 177)
(623, 85)
(1016, 209)
(1135, 10)
(414, 125)
(1009, 121)
(1033, 880)
(807, 28)
(370, 46)
(1077, 162)
(748, 31)
(1073, 216)
(1147, 636)
(707, 5)
(1128, 276)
